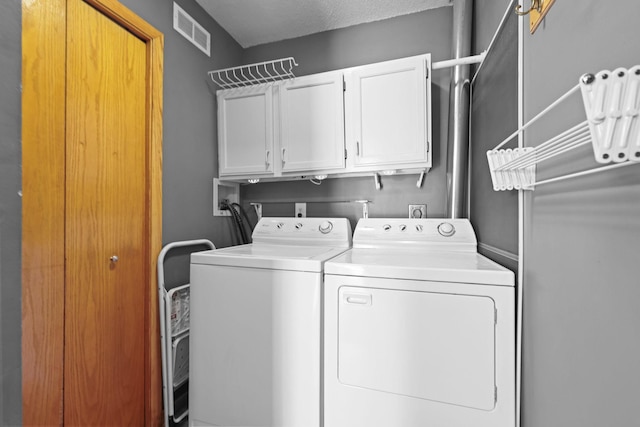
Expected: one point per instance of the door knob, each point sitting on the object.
(114, 258)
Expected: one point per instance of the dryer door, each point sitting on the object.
(426, 345)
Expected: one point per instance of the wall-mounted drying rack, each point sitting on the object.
(254, 74)
(612, 105)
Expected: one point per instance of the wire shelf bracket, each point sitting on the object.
(612, 105)
(254, 74)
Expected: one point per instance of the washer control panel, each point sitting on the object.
(446, 229)
(325, 227)
(416, 232)
(303, 230)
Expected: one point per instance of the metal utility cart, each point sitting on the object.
(174, 336)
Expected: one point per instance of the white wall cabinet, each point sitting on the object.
(310, 124)
(245, 131)
(387, 115)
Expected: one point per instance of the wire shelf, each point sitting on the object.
(254, 74)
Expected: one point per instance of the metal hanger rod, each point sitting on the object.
(459, 61)
(540, 114)
(587, 172)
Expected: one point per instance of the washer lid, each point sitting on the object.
(269, 256)
(438, 266)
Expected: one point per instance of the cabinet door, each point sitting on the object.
(388, 119)
(245, 131)
(312, 123)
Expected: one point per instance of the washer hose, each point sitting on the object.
(235, 210)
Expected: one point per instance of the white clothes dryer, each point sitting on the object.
(419, 329)
(255, 346)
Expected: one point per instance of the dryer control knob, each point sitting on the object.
(299, 226)
(325, 227)
(418, 227)
(403, 227)
(386, 227)
(446, 229)
(280, 225)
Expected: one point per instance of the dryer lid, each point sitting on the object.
(428, 265)
(430, 249)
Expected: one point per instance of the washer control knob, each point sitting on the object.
(446, 229)
(325, 227)
(280, 225)
(299, 225)
(403, 227)
(386, 227)
(418, 227)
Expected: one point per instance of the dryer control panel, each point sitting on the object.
(423, 233)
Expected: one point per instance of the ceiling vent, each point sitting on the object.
(191, 30)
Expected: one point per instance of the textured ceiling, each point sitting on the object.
(253, 22)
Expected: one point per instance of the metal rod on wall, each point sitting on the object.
(458, 147)
(467, 60)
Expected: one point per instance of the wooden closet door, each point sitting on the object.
(105, 228)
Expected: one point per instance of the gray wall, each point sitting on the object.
(581, 253)
(494, 116)
(190, 155)
(425, 32)
(10, 213)
(486, 18)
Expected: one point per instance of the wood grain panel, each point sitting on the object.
(153, 400)
(155, 48)
(43, 138)
(106, 213)
(44, 42)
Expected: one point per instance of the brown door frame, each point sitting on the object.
(43, 210)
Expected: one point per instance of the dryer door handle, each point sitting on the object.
(356, 299)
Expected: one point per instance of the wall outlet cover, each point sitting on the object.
(301, 210)
(417, 211)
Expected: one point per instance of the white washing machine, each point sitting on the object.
(419, 329)
(255, 345)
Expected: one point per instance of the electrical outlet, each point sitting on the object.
(417, 211)
(301, 210)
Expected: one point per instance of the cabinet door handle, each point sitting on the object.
(357, 148)
(282, 154)
(266, 157)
